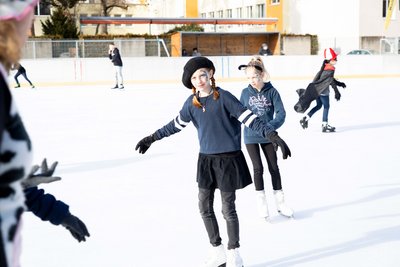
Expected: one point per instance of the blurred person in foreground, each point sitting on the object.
(16, 148)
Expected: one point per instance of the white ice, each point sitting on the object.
(141, 210)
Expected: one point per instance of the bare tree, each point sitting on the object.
(106, 7)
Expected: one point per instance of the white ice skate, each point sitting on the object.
(283, 209)
(233, 258)
(262, 206)
(216, 257)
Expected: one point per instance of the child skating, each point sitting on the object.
(261, 97)
(319, 90)
(217, 116)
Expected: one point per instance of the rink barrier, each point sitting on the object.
(97, 71)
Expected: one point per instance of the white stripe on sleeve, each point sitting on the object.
(244, 115)
(250, 120)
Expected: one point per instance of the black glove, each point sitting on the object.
(275, 139)
(145, 143)
(76, 227)
(340, 84)
(45, 176)
(337, 95)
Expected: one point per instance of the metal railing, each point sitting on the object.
(136, 47)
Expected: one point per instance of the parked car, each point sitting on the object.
(360, 52)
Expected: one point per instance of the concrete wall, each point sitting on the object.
(154, 69)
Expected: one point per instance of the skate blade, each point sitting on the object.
(286, 216)
(222, 265)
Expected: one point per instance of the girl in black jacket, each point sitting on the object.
(321, 83)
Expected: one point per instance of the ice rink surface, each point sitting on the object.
(141, 210)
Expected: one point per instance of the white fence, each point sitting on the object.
(134, 47)
(163, 69)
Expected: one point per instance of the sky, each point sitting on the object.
(141, 210)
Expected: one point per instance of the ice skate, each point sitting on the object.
(216, 257)
(262, 206)
(326, 128)
(233, 258)
(32, 86)
(281, 206)
(115, 87)
(17, 86)
(304, 122)
(121, 86)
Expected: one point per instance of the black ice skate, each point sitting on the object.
(304, 122)
(327, 128)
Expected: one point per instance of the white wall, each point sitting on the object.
(144, 69)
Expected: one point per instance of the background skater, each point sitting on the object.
(21, 71)
(115, 57)
(319, 90)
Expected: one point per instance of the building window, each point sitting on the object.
(117, 16)
(220, 13)
(275, 2)
(385, 6)
(211, 14)
(260, 10)
(43, 8)
(203, 15)
(249, 11)
(229, 13)
(239, 12)
(128, 16)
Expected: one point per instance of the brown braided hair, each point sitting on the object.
(196, 101)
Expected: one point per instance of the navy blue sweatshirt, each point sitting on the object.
(267, 105)
(45, 206)
(219, 127)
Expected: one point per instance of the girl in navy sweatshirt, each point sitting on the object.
(263, 99)
(217, 116)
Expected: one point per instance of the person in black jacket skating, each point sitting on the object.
(319, 90)
(115, 57)
(21, 71)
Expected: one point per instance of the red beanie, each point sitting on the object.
(329, 54)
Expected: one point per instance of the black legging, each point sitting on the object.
(23, 73)
(206, 206)
(272, 160)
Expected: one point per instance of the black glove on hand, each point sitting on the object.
(340, 84)
(145, 143)
(45, 176)
(276, 140)
(337, 95)
(76, 227)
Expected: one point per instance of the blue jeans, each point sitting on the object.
(321, 100)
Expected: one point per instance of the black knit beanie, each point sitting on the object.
(191, 66)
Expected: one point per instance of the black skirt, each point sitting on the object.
(227, 171)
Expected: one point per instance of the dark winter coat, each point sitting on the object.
(267, 105)
(319, 86)
(115, 57)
